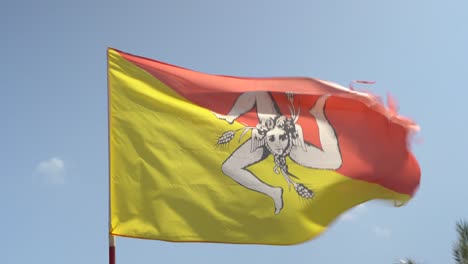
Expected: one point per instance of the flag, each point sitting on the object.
(196, 157)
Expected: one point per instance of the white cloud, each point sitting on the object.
(381, 232)
(348, 216)
(52, 170)
(354, 213)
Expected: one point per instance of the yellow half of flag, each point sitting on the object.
(166, 176)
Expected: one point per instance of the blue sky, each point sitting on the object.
(53, 193)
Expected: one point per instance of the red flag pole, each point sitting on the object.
(111, 249)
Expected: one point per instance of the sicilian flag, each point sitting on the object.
(209, 158)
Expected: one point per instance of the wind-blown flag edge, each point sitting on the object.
(367, 101)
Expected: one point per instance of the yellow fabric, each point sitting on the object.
(166, 181)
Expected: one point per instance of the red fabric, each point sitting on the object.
(373, 139)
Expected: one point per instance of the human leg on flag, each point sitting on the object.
(329, 156)
(266, 106)
(235, 168)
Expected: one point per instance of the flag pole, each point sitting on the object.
(111, 249)
(111, 237)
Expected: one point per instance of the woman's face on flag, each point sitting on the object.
(277, 140)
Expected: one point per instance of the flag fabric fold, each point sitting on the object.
(196, 157)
